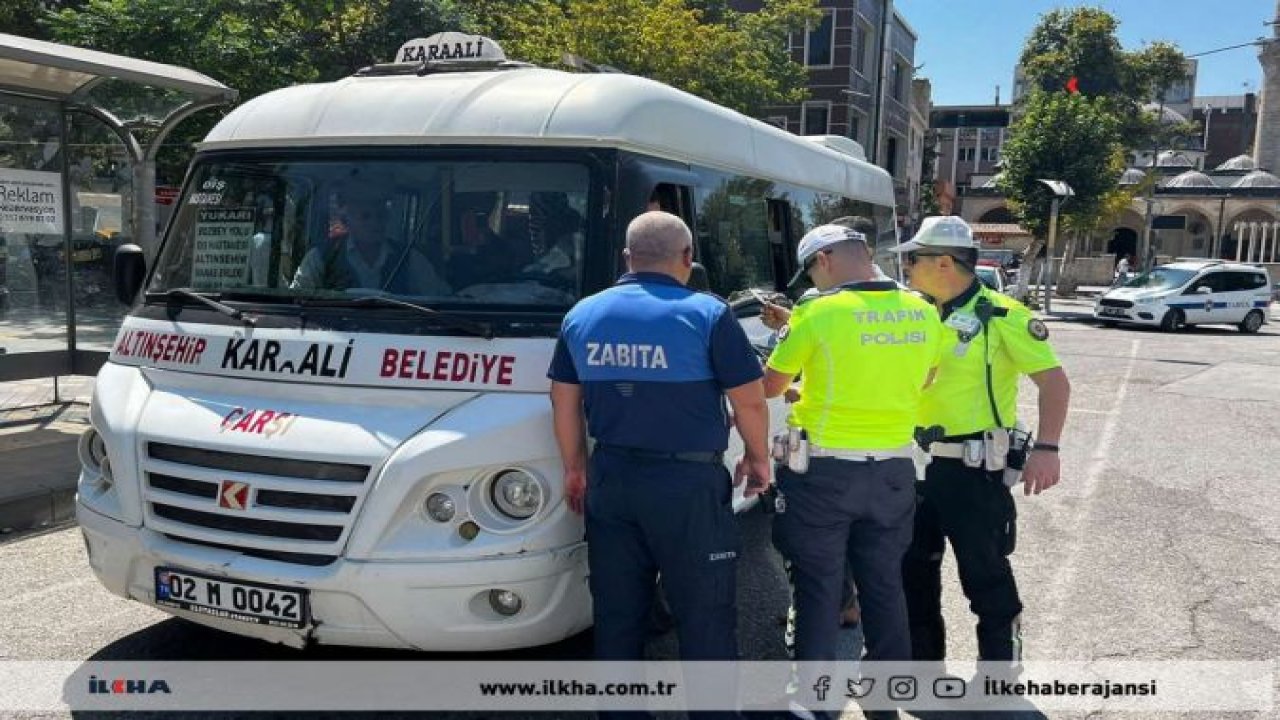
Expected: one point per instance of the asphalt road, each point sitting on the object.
(1163, 542)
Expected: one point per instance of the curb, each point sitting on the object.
(39, 470)
(37, 510)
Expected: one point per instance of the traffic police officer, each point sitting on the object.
(990, 341)
(864, 349)
(652, 361)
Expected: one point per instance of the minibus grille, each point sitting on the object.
(282, 508)
(293, 558)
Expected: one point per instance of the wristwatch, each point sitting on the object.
(1046, 447)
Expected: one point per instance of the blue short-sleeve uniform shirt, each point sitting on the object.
(654, 359)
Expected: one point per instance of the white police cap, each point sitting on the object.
(944, 231)
(818, 239)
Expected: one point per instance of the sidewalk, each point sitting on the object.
(1077, 308)
(39, 464)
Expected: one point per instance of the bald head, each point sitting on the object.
(657, 241)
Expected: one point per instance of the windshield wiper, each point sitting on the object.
(479, 329)
(189, 294)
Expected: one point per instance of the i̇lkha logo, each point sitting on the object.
(125, 686)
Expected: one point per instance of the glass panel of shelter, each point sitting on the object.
(33, 279)
(101, 221)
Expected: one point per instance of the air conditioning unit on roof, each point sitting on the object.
(840, 144)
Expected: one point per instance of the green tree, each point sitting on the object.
(253, 46)
(737, 59)
(1060, 136)
(927, 204)
(1081, 43)
(22, 17)
(1080, 138)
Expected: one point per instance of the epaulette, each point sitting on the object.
(1007, 307)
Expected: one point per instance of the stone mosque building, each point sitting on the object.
(1229, 210)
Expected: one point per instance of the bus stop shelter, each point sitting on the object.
(79, 134)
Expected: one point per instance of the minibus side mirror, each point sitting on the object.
(698, 279)
(130, 268)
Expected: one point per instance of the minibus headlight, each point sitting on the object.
(92, 450)
(516, 494)
(440, 507)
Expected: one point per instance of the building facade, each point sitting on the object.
(969, 141)
(918, 139)
(1225, 212)
(1229, 123)
(860, 60)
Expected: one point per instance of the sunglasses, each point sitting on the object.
(913, 256)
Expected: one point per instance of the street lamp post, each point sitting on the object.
(1060, 190)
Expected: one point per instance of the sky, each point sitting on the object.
(970, 46)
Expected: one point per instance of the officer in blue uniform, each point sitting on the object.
(652, 361)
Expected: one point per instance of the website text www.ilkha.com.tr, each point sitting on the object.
(577, 688)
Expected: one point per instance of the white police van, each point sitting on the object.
(1191, 292)
(290, 446)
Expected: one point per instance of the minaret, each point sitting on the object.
(1266, 144)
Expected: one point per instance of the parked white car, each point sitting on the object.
(1181, 294)
(993, 277)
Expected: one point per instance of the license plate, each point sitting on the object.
(231, 599)
(1111, 311)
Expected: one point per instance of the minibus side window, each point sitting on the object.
(733, 227)
(781, 240)
(675, 199)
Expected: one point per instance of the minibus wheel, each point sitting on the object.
(1252, 322)
(1173, 321)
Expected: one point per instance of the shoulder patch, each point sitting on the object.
(783, 332)
(1036, 329)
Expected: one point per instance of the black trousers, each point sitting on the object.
(854, 515)
(975, 512)
(646, 517)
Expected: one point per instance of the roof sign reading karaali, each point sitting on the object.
(447, 46)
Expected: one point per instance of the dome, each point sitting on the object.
(1132, 176)
(1167, 115)
(1191, 179)
(1239, 162)
(1257, 179)
(1174, 159)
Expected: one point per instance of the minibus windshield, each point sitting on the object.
(448, 233)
